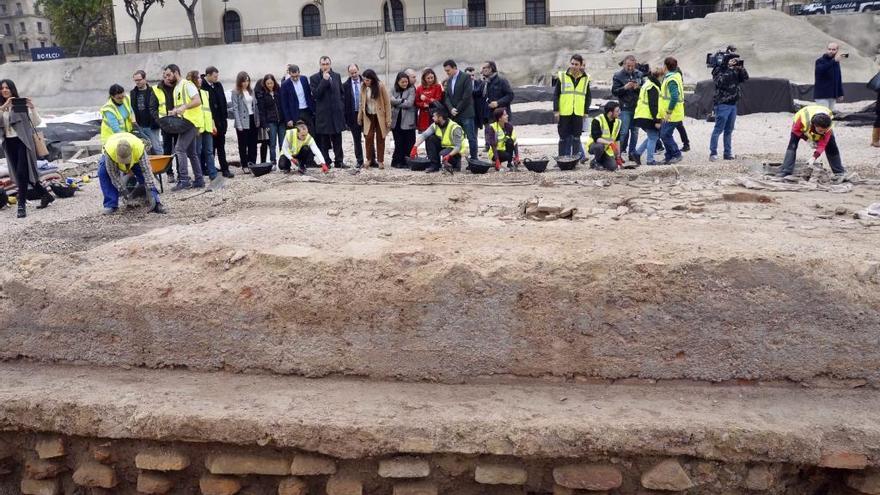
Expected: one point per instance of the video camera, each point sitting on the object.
(722, 57)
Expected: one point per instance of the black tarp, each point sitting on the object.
(852, 91)
(759, 95)
(62, 133)
(864, 117)
(530, 94)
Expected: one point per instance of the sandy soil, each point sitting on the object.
(357, 418)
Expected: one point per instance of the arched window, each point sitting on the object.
(477, 13)
(311, 21)
(231, 27)
(536, 11)
(396, 13)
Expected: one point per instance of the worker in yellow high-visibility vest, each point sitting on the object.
(205, 139)
(188, 104)
(813, 124)
(571, 101)
(671, 109)
(603, 141)
(116, 115)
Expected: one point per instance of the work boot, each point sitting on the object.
(180, 186)
(787, 163)
(686, 147)
(875, 137)
(159, 209)
(198, 184)
(109, 211)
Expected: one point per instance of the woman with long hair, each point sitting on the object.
(403, 119)
(374, 115)
(428, 94)
(18, 129)
(247, 119)
(269, 107)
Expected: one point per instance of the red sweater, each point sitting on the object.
(798, 130)
(431, 94)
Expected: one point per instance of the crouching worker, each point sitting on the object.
(125, 157)
(445, 143)
(813, 124)
(501, 140)
(299, 150)
(602, 142)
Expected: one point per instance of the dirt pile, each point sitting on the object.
(772, 43)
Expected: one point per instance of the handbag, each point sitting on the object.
(874, 83)
(40, 148)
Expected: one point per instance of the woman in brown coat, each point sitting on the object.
(374, 115)
(17, 133)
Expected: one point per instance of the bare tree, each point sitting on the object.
(137, 10)
(191, 14)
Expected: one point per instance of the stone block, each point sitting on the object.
(759, 478)
(500, 474)
(404, 467)
(667, 475)
(292, 486)
(219, 485)
(49, 448)
(562, 490)
(40, 487)
(103, 454)
(95, 475)
(843, 460)
(867, 482)
(161, 460)
(344, 486)
(41, 469)
(595, 477)
(154, 483)
(248, 464)
(312, 465)
(416, 488)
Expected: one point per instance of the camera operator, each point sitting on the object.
(828, 83)
(727, 78)
(626, 85)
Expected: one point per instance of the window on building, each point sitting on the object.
(2, 8)
(311, 21)
(231, 27)
(39, 27)
(11, 48)
(21, 26)
(8, 30)
(396, 14)
(18, 9)
(27, 45)
(477, 13)
(42, 44)
(536, 12)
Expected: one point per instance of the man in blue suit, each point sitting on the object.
(297, 102)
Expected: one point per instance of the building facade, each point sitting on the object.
(22, 28)
(232, 21)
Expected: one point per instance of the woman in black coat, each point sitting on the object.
(17, 132)
(269, 105)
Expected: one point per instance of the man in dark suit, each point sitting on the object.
(329, 111)
(211, 84)
(459, 99)
(297, 102)
(352, 98)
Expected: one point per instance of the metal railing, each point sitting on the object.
(598, 18)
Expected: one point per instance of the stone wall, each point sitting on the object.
(46, 464)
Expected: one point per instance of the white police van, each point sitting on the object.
(840, 6)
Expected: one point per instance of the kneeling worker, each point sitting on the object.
(501, 140)
(299, 150)
(602, 142)
(813, 124)
(444, 142)
(125, 156)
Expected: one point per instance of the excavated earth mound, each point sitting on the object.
(417, 283)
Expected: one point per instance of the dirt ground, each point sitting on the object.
(664, 273)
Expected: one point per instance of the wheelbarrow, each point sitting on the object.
(160, 164)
